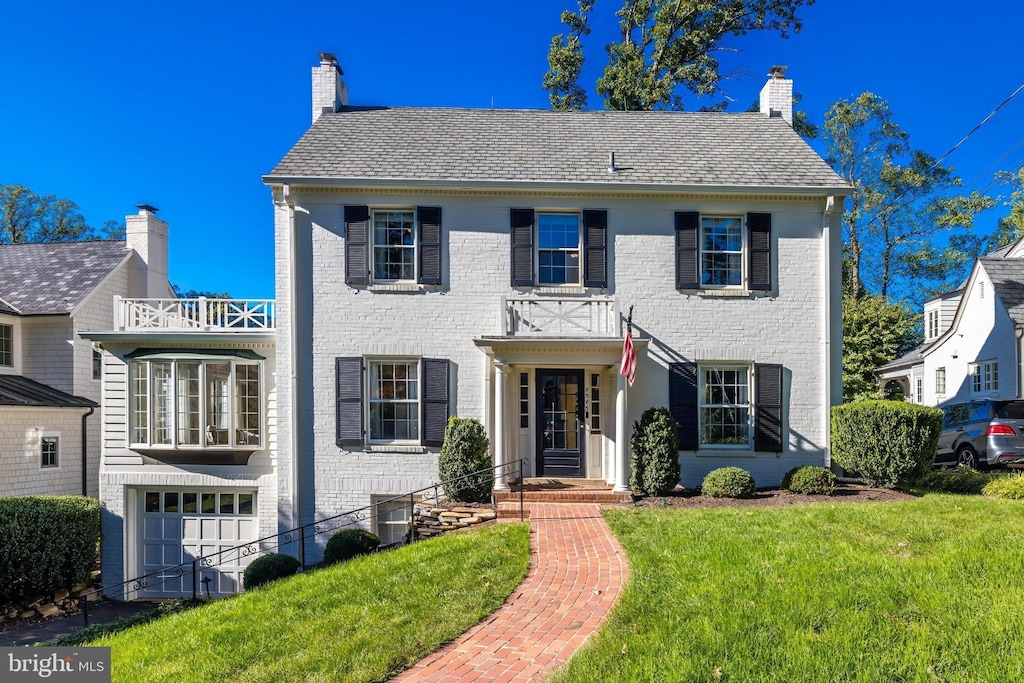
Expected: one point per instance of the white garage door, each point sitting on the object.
(179, 526)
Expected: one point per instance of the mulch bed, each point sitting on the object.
(850, 493)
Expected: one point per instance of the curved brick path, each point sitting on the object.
(577, 570)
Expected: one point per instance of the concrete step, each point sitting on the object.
(570, 495)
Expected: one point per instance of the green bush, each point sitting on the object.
(655, 459)
(463, 452)
(958, 479)
(887, 443)
(810, 480)
(728, 482)
(47, 543)
(1009, 486)
(349, 543)
(269, 568)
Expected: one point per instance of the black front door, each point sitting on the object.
(560, 434)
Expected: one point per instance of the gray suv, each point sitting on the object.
(982, 434)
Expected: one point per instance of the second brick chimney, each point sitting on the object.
(329, 91)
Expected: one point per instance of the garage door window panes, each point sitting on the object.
(190, 503)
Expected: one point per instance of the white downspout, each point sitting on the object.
(1020, 361)
(826, 234)
(293, 350)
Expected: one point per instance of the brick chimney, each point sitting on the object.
(147, 236)
(329, 91)
(777, 95)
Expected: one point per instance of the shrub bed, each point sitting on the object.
(810, 480)
(954, 480)
(463, 452)
(1010, 486)
(47, 543)
(728, 482)
(655, 460)
(268, 568)
(349, 543)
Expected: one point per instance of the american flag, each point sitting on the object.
(628, 369)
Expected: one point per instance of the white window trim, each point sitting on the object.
(919, 390)
(749, 368)
(14, 367)
(403, 283)
(93, 353)
(940, 388)
(368, 364)
(932, 324)
(987, 374)
(49, 434)
(377, 499)
(744, 255)
(552, 287)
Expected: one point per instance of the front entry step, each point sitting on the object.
(545, 490)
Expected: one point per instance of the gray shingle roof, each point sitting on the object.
(16, 390)
(662, 148)
(911, 357)
(54, 277)
(1007, 275)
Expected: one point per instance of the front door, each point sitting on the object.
(560, 435)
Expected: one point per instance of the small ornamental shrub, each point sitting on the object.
(887, 443)
(269, 568)
(349, 543)
(810, 480)
(1010, 487)
(728, 482)
(655, 459)
(464, 452)
(47, 543)
(958, 479)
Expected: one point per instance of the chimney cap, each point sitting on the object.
(146, 207)
(329, 59)
(777, 71)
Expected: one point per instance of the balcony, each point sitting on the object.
(194, 315)
(571, 317)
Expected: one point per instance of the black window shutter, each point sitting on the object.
(348, 392)
(682, 401)
(595, 248)
(357, 245)
(760, 227)
(768, 404)
(522, 247)
(429, 220)
(435, 400)
(687, 265)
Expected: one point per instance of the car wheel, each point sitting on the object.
(967, 457)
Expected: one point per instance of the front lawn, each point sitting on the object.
(362, 620)
(925, 590)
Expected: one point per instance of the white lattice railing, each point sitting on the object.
(588, 317)
(198, 315)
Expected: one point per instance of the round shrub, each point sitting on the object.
(886, 443)
(349, 543)
(728, 482)
(464, 452)
(1010, 487)
(269, 568)
(655, 459)
(810, 480)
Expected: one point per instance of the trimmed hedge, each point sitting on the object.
(1010, 487)
(810, 480)
(655, 459)
(887, 443)
(954, 480)
(47, 543)
(349, 543)
(463, 452)
(270, 567)
(728, 482)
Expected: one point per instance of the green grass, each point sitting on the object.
(925, 590)
(362, 620)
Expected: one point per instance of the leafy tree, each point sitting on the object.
(1010, 228)
(666, 47)
(802, 123)
(875, 332)
(29, 217)
(195, 293)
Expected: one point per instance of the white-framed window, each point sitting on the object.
(6, 346)
(97, 363)
(940, 381)
(524, 400)
(594, 404)
(919, 390)
(722, 244)
(394, 399)
(199, 503)
(984, 376)
(391, 518)
(49, 450)
(933, 324)
(558, 249)
(724, 406)
(394, 245)
(205, 403)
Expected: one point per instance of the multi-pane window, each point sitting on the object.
(49, 451)
(195, 403)
(984, 376)
(197, 503)
(97, 364)
(919, 390)
(725, 406)
(6, 346)
(940, 381)
(394, 245)
(933, 324)
(595, 403)
(524, 400)
(721, 251)
(391, 519)
(394, 401)
(558, 249)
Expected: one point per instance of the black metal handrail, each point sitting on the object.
(296, 535)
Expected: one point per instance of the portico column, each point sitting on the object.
(621, 438)
(500, 480)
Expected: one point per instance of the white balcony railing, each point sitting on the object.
(551, 317)
(195, 315)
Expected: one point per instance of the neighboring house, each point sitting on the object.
(480, 262)
(49, 375)
(972, 338)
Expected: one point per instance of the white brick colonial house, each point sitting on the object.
(50, 386)
(972, 338)
(437, 262)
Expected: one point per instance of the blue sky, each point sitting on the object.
(184, 105)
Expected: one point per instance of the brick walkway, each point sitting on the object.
(577, 571)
